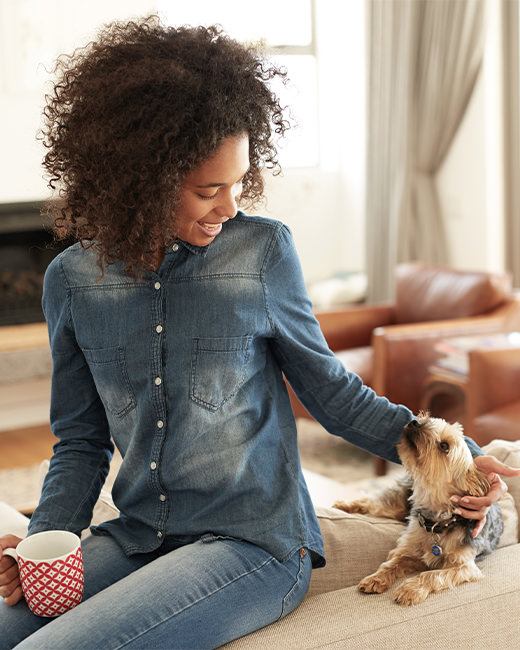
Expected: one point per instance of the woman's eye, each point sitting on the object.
(444, 447)
(207, 198)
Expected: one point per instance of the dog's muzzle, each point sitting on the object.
(412, 431)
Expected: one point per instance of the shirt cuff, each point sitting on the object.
(473, 447)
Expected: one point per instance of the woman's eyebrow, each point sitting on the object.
(211, 185)
(219, 184)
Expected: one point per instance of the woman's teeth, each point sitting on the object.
(211, 226)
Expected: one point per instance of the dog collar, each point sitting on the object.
(440, 525)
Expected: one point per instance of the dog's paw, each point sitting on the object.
(360, 506)
(410, 593)
(374, 584)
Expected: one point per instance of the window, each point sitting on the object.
(286, 30)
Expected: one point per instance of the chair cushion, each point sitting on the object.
(427, 293)
(504, 422)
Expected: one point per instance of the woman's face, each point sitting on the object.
(209, 194)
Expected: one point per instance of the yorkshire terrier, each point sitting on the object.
(436, 542)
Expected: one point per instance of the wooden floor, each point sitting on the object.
(24, 447)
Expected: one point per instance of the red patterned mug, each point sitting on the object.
(51, 571)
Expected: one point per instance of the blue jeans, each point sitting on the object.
(183, 597)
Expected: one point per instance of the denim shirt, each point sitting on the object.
(183, 370)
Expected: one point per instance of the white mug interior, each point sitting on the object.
(47, 546)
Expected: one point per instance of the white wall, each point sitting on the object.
(55, 26)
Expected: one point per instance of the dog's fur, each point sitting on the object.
(439, 465)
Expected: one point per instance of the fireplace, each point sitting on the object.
(26, 249)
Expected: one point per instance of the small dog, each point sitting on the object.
(436, 542)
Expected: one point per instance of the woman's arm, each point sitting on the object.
(334, 397)
(82, 454)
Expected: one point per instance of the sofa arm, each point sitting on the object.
(353, 327)
(404, 353)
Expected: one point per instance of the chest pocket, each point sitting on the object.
(108, 368)
(218, 369)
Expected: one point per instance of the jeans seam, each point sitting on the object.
(180, 611)
(292, 589)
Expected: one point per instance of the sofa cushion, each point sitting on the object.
(12, 522)
(427, 293)
(355, 545)
(471, 615)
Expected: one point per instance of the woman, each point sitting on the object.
(170, 323)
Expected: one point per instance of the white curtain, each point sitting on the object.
(511, 53)
(424, 58)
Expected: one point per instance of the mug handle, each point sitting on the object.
(12, 552)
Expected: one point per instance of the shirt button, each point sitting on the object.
(162, 497)
(153, 465)
(158, 329)
(175, 248)
(160, 424)
(159, 534)
(157, 285)
(158, 381)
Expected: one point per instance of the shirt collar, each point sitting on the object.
(197, 250)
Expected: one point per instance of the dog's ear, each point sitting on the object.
(474, 482)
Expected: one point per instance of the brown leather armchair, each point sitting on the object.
(391, 346)
(493, 395)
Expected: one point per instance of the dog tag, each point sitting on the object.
(436, 550)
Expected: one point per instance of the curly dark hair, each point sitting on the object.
(132, 113)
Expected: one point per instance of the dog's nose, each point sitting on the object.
(412, 429)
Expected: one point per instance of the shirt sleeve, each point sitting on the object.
(82, 453)
(336, 398)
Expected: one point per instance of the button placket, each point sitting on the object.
(159, 408)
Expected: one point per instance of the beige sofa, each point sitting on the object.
(334, 615)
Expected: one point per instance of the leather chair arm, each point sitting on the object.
(352, 327)
(403, 353)
(494, 379)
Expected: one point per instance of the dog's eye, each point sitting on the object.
(444, 447)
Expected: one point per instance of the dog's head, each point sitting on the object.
(438, 459)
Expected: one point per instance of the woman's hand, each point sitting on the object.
(477, 507)
(10, 587)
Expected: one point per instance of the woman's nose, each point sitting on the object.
(228, 207)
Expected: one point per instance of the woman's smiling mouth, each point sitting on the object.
(211, 229)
